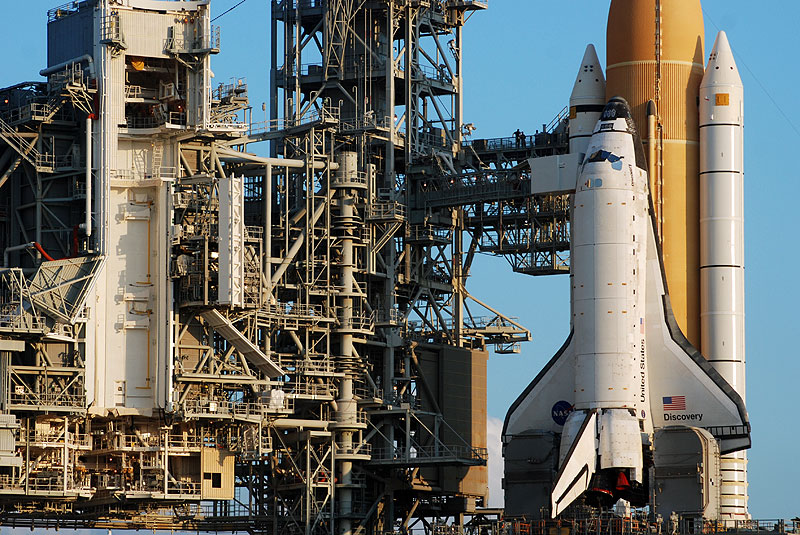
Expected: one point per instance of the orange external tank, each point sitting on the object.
(655, 53)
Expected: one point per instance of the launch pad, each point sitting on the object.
(214, 323)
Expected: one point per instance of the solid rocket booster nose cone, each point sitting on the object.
(721, 68)
(590, 84)
(721, 44)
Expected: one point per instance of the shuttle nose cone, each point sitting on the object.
(617, 108)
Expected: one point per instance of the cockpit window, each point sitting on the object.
(606, 156)
(603, 156)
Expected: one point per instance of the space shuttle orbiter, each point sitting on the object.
(625, 370)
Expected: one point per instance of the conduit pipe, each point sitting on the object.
(64, 64)
(229, 154)
(88, 221)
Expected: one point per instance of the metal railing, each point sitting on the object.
(36, 111)
(636, 524)
(51, 161)
(295, 310)
(184, 442)
(549, 137)
(72, 439)
(63, 10)
(431, 453)
(232, 409)
(133, 91)
(232, 89)
(424, 233)
(292, 4)
(327, 113)
(8, 482)
(18, 143)
(217, 126)
(353, 449)
(316, 390)
(72, 75)
(358, 178)
(386, 210)
(183, 487)
(58, 399)
(46, 484)
(351, 65)
(110, 29)
(367, 121)
(203, 43)
(437, 73)
(171, 118)
(166, 172)
(389, 317)
(466, 3)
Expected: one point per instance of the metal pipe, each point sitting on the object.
(267, 195)
(227, 154)
(64, 64)
(652, 159)
(88, 221)
(14, 248)
(38, 247)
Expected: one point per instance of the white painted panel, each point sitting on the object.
(620, 440)
(128, 351)
(554, 174)
(231, 241)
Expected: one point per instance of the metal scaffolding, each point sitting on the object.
(199, 337)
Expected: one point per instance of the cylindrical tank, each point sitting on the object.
(655, 52)
(722, 245)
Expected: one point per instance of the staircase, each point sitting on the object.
(42, 162)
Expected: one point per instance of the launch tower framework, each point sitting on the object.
(198, 337)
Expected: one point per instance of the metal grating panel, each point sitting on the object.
(223, 326)
(59, 288)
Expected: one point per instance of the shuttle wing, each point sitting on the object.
(548, 399)
(684, 388)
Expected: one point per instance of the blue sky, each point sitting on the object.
(521, 58)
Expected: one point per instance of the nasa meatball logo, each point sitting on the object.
(560, 412)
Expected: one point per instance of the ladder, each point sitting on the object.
(158, 159)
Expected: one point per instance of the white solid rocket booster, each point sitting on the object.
(722, 244)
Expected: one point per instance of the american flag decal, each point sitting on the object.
(674, 403)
